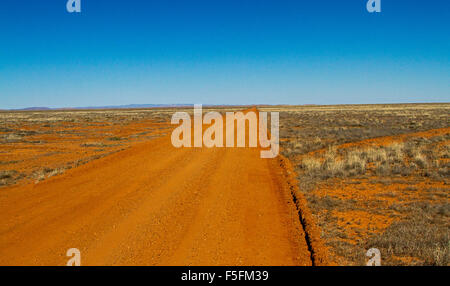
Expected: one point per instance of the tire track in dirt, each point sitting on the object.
(153, 204)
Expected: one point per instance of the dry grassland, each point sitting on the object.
(374, 176)
(35, 145)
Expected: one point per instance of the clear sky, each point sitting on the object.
(223, 52)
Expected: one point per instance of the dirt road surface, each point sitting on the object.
(154, 204)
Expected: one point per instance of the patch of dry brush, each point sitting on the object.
(374, 176)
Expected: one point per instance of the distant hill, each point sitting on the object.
(128, 106)
(35, 108)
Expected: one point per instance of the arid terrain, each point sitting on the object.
(137, 200)
(110, 183)
(374, 176)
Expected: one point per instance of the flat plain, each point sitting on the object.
(374, 176)
(108, 182)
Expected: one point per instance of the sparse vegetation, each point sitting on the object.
(374, 176)
(414, 157)
(305, 129)
(31, 141)
(424, 235)
(9, 177)
(43, 144)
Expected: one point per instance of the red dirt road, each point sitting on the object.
(153, 204)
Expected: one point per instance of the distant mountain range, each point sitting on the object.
(128, 106)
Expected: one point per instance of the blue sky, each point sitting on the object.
(223, 52)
